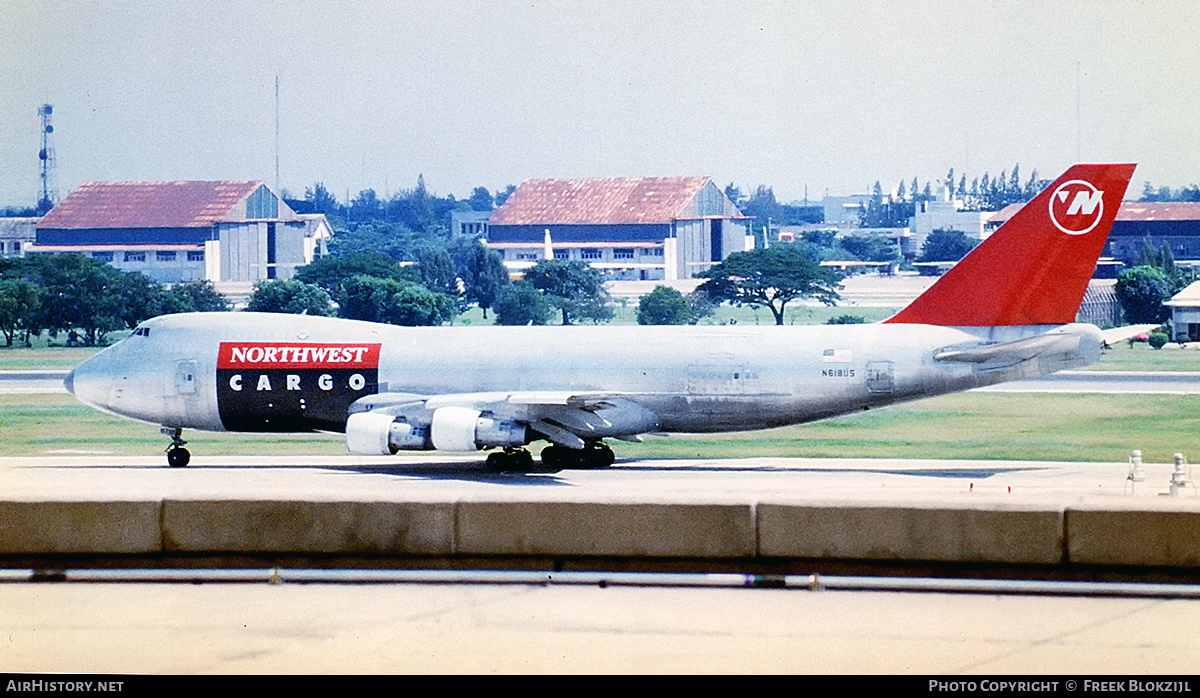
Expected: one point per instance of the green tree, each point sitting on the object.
(770, 278)
(573, 287)
(320, 200)
(415, 305)
(663, 306)
(483, 275)
(735, 196)
(202, 296)
(871, 248)
(190, 297)
(437, 271)
(944, 245)
(81, 294)
(481, 200)
(366, 206)
(1157, 256)
(521, 303)
(331, 272)
(395, 302)
(1141, 292)
(290, 296)
(419, 210)
(139, 298)
(20, 303)
(394, 240)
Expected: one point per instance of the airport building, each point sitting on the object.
(662, 228)
(16, 234)
(1175, 224)
(844, 211)
(943, 214)
(1185, 313)
(222, 231)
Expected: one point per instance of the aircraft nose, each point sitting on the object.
(90, 382)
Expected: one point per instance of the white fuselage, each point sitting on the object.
(692, 378)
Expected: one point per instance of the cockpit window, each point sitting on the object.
(142, 332)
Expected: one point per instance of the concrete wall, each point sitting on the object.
(1155, 534)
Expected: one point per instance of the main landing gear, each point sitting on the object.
(554, 458)
(594, 455)
(510, 460)
(177, 455)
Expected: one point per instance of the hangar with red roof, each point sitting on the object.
(646, 228)
(184, 231)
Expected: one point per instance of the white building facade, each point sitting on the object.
(628, 228)
(235, 231)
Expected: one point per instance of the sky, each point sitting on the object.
(811, 98)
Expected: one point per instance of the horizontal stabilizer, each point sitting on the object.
(1119, 334)
(1018, 350)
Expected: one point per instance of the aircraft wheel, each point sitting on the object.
(178, 457)
(599, 456)
(557, 457)
(592, 457)
(514, 461)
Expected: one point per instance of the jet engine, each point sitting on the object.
(451, 429)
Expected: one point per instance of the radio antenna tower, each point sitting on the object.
(49, 185)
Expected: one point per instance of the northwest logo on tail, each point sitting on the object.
(1031, 271)
(1076, 207)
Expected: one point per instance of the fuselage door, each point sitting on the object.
(719, 375)
(185, 377)
(880, 378)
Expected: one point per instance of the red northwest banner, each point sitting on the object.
(297, 355)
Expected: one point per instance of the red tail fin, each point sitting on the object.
(1035, 268)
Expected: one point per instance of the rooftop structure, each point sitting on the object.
(183, 231)
(629, 228)
(1175, 224)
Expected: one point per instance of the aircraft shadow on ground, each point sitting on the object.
(948, 472)
(475, 471)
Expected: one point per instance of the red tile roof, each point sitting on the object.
(147, 204)
(1130, 211)
(1161, 211)
(599, 201)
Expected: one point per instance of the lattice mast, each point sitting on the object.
(49, 178)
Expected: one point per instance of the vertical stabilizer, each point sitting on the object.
(1035, 268)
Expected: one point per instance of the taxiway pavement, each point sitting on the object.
(793, 516)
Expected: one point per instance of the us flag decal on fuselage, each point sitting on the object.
(292, 386)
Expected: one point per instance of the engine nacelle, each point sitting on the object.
(375, 434)
(452, 429)
(465, 429)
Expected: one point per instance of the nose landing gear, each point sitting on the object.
(177, 455)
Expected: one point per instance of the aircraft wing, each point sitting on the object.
(566, 418)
